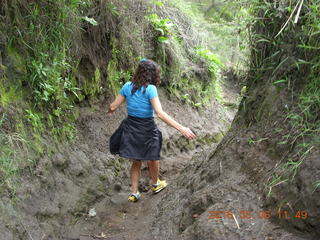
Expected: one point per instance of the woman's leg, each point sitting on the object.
(135, 175)
(154, 170)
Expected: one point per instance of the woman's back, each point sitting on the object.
(138, 104)
(138, 137)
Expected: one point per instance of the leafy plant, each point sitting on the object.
(36, 120)
(214, 62)
(92, 21)
(316, 185)
(163, 26)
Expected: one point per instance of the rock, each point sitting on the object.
(59, 160)
(117, 187)
(92, 212)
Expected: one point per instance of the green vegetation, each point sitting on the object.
(285, 43)
(163, 26)
(38, 87)
(117, 77)
(222, 27)
(190, 44)
(10, 144)
(56, 54)
(214, 67)
(195, 93)
(38, 43)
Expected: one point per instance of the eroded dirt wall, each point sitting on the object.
(240, 176)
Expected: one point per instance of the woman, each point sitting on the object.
(138, 137)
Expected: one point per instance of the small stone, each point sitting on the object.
(92, 212)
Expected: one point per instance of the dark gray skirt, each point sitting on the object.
(137, 139)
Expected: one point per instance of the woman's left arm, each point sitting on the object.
(116, 103)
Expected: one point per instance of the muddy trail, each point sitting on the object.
(81, 190)
(126, 220)
(116, 218)
(212, 194)
(153, 216)
(53, 200)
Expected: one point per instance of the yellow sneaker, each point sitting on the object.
(134, 197)
(159, 186)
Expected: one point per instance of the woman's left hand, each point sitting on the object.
(187, 133)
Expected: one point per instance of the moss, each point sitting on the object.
(92, 87)
(18, 61)
(114, 75)
(121, 65)
(190, 146)
(266, 108)
(10, 78)
(184, 145)
(9, 95)
(218, 137)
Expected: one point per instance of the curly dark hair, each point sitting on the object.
(148, 72)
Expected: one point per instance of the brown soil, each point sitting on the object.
(126, 220)
(119, 219)
(53, 200)
(229, 178)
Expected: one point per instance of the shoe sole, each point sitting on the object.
(159, 190)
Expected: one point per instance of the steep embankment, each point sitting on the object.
(266, 170)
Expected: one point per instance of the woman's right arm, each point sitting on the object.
(169, 120)
(116, 103)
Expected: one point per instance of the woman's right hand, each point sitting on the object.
(187, 133)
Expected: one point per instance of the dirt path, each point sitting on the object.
(119, 219)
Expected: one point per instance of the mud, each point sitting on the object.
(53, 200)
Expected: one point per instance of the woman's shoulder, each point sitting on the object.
(152, 91)
(152, 87)
(127, 84)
